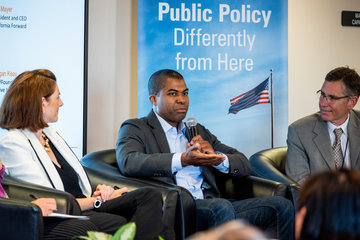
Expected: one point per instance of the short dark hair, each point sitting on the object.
(22, 105)
(158, 79)
(350, 78)
(332, 201)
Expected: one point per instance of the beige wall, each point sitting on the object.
(317, 43)
(112, 69)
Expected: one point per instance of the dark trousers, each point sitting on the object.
(142, 206)
(274, 215)
(66, 229)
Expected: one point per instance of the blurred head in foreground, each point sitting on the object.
(233, 230)
(329, 206)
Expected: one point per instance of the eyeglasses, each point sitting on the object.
(329, 98)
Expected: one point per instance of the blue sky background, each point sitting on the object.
(210, 91)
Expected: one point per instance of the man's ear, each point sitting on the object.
(153, 99)
(353, 101)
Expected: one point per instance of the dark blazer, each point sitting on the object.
(309, 147)
(142, 150)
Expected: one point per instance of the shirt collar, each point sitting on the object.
(166, 126)
(343, 126)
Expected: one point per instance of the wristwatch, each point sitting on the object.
(97, 202)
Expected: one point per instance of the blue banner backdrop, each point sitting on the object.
(223, 48)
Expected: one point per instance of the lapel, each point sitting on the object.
(354, 139)
(322, 141)
(159, 136)
(158, 132)
(59, 142)
(44, 159)
(209, 175)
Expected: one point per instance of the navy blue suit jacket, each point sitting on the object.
(142, 150)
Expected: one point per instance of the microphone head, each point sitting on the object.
(191, 122)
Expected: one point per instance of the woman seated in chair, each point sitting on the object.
(329, 206)
(35, 152)
(55, 228)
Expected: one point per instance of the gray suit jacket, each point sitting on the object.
(309, 147)
(142, 150)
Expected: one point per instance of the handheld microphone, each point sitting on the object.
(191, 125)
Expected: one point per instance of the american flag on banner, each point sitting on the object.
(258, 95)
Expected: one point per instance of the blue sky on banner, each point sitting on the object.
(226, 50)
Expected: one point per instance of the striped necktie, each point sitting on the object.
(337, 152)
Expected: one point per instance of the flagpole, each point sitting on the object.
(272, 110)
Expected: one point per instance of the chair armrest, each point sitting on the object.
(264, 187)
(250, 186)
(111, 179)
(264, 169)
(18, 189)
(20, 220)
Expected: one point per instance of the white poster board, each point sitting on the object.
(47, 34)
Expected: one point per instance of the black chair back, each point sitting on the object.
(270, 164)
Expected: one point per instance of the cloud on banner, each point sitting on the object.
(257, 95)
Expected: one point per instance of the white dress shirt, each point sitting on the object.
(344, 140)
(189, 177)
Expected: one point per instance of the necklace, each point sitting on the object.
(46, 144)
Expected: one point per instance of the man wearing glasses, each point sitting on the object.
(330, 138)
